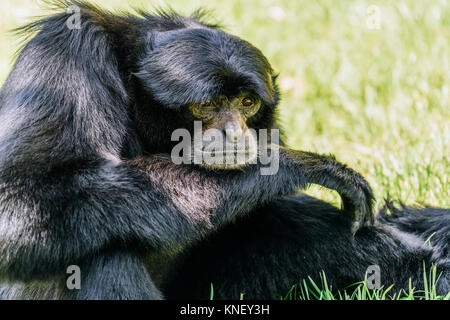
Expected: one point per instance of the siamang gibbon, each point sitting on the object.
(86, 176)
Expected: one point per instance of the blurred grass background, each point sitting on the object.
(377, 95)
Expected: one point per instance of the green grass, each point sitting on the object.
(309, 290)
(379, 99)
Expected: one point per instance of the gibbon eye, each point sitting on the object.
(207, 103)
(247, 102)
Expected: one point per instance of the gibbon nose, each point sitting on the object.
(233, 131)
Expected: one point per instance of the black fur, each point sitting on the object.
(83, 114)
(264, 254)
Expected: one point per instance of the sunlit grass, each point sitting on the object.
(379, 99)
(308, 289)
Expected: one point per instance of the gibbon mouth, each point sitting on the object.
(227, 159)
(227, 152)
